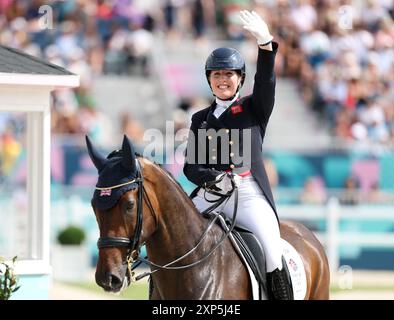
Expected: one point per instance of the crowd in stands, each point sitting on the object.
(351, 194)
(340, 51)
(88, 38)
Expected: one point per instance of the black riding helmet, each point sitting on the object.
(225, 59)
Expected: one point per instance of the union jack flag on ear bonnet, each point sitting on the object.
(116, 174)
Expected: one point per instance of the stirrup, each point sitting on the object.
(279, 283)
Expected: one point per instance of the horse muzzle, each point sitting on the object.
(112, 281)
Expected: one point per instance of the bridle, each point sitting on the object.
(134, 244)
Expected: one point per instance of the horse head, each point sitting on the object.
(118, 205)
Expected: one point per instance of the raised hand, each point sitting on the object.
(256, 26)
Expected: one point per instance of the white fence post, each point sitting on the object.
(332, 221)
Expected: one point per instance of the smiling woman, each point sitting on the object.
(224, 83)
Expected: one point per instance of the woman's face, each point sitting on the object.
(224, 83)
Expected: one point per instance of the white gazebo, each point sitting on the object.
(25, 86)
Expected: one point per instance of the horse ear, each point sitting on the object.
(98, 160)
(128, 154)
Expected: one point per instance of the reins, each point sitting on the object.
(223, 198)
(133, 258)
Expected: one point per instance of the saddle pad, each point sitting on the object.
(296, 269)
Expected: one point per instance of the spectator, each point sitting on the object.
(304, 16)
(351, 192)
(375, 195)
(140, 44)
(373, 117)
(313, 191)
(132, 128)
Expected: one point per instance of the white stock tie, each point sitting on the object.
(222, 105)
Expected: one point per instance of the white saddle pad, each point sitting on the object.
(296, 269)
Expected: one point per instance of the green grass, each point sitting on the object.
(136, 291)
(336, 289)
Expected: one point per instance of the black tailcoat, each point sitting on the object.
(249, 113)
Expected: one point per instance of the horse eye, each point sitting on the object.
(129, 206)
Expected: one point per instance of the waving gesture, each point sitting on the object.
(256, 25)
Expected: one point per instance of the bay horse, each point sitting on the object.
(137, 202)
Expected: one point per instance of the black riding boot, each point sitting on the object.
(279, 284)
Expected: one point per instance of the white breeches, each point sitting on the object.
(255, 214)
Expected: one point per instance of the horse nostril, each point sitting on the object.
(115, 282)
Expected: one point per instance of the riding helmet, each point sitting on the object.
(225, 59)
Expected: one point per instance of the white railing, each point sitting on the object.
(333, 213)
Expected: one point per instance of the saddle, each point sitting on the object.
(249, 249)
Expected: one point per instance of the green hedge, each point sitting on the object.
(72, 235)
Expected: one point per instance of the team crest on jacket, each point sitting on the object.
(236, 109)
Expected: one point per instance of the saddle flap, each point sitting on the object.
(253, 252)
(250, 248)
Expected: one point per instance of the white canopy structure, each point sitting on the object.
(25, 86)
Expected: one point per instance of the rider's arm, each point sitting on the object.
(197, 173)
(263, 97)
(264, 85)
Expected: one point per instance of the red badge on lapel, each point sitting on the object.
(236, 109)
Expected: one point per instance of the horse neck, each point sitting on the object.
(180, 225)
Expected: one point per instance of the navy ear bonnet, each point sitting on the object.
(116, 174)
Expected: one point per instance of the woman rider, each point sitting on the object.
(240, 124)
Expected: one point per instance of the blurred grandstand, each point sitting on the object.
(141, 64)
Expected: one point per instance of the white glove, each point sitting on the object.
(237, 179)
(256, 26)
(225, 184)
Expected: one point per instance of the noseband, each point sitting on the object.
(132, 244)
